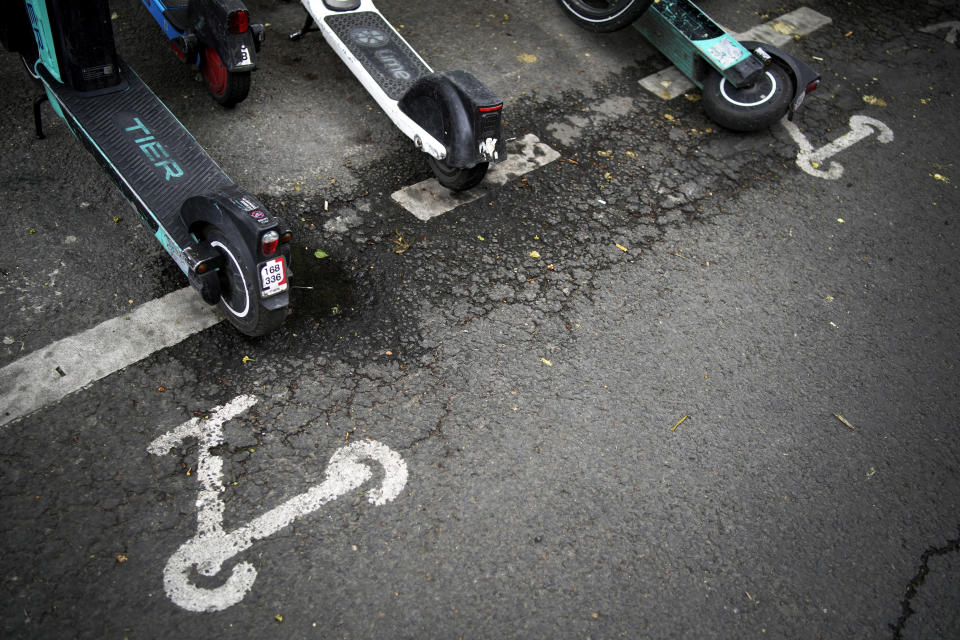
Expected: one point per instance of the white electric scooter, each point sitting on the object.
(450, 115)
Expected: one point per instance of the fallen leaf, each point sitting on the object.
(319, 254)
(278, 618)
(875, 101)
(941, 178)
(621, 247)
(481, 238)
(782, 27)
(871, 473)
(528, 58)
(546, 362)
(121, 558)
(247, 359)
(669, 117)
(534, 254)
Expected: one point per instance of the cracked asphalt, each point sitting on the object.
(529, 355)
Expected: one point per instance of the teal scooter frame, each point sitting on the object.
(745, 85)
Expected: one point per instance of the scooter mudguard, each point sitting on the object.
(805, 78)
(221, 24)
(240, 215)
(461, 112)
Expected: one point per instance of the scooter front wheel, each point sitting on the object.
(228, 88)
(457, 179)
(239, 299)
(751, 108)
(604, 16)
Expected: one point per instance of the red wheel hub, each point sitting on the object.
(214, 71)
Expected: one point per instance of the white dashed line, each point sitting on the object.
(671, 82)
(50, 374)
(427, 199)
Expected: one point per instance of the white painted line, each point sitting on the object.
(427, 199)
(51, 373)
(671, 82)
(212, 546)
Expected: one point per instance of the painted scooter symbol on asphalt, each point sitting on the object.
(211, 547)
(810, 159)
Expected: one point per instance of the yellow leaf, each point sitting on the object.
(941, 178)
(875, 101)
(782, 27)
(247, 359)
(534, 254)
(669, 117)
(621, 247)
(528, 58)
(546, 362)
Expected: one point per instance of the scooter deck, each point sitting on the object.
(379, 49)
(151, 157)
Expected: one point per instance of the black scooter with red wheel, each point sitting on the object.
(216, 37)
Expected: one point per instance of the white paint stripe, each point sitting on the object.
(671, 82)
(34, 381)
(427, 199)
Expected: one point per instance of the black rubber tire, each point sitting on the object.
(751, 108)
(457, 179)
(602, 16)
(228, 88)
(239, 293)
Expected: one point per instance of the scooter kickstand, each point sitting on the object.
(308, 26)
(37, 120)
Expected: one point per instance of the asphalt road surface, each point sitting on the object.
(677, 382)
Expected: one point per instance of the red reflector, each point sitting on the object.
(269, 242)
(813, 86)
(489, 109)
(238, 21)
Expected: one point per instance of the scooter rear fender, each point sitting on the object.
(236, 50)
(462, 113)
(805, 77)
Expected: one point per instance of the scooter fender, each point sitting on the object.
(236, 50)
(462, 113)
(805, 77)
(244, 219)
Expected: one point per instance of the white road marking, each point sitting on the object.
(427, 199)
(49, 374)
(952, 28)
(211, 547)
(671, 82)
(810, 159)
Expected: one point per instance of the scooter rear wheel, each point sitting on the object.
(604, 16)
(457, 179)
(750, 108)
(239, 299)
(229, 88)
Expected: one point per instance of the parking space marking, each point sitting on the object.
(427, 199)
(671, 82)
(212, 547)
(810, 159)
(50, 374)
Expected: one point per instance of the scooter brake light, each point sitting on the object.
(269, 242)
(489, 109)
(238, 21)
(813, 85)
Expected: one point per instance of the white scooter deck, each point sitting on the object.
(380, 59)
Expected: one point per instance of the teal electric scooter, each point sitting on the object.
(745, 85)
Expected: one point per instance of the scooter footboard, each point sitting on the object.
(462, 113)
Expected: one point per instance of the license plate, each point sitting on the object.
(273, 277)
